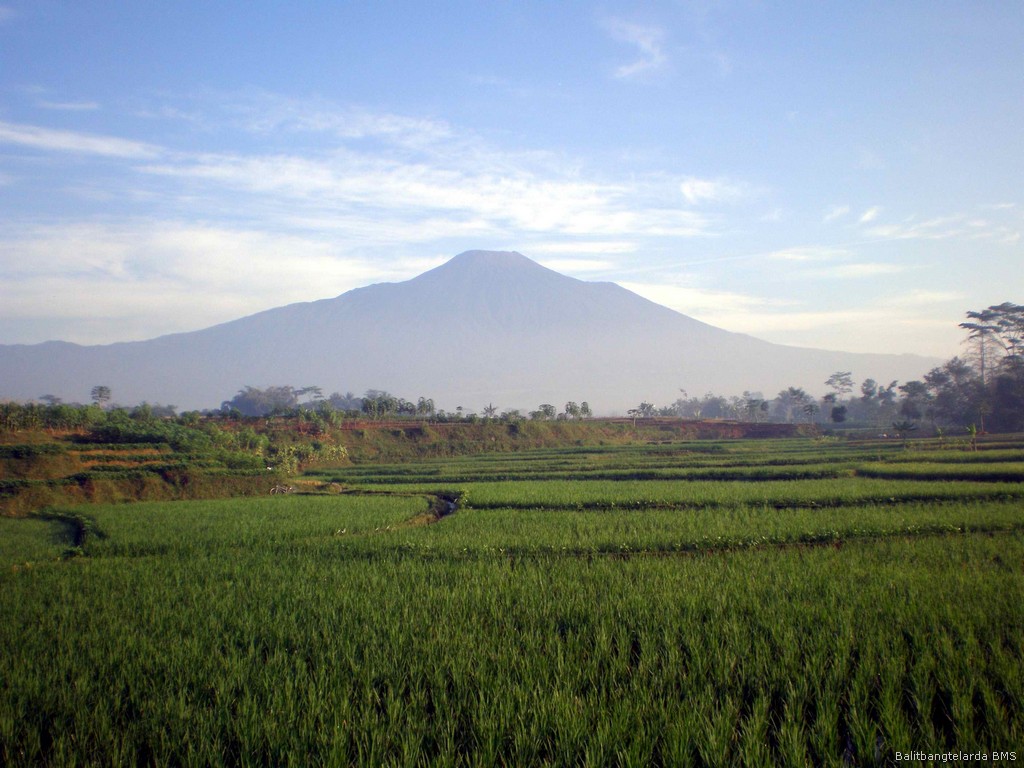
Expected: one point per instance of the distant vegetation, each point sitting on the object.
(982, 390)
(59, 454)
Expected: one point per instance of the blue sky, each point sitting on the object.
(839, 175)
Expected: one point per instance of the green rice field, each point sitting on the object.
(797, 602)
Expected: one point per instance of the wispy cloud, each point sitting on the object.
(648, 40)
(835, 212)
(870, 214)
(859, 270)
(69, 106)
(697, 301)
(577, 247)
(414, 176)
(807, 253)
(71, 141)
(578, 266)
(263, 227)
(832, 263)
(957, 226)
(385, 167)
(7, 13)
(268, 113)
(696, 190)
(141, 277)
(506, 196)
(899, 325)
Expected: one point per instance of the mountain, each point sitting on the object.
(485, 327)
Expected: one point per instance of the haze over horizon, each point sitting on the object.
(842, 177)
(486, 327)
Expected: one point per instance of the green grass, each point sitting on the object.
(27, 542)
(312, 657)
(262, 523)
(654, 494)
(1002, 472)
(660, 531)
(546, 622)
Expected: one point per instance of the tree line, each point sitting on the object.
(377, 404)
(983, 390)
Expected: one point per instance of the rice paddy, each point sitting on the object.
(645, 605)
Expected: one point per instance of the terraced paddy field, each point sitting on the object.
(792, 602)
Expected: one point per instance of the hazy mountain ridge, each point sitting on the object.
(483, 327)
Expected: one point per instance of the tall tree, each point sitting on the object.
(983, 338)
(916, 400)
(1009, 321)
(378, 404)
(252, 401)
(955, 390)
(789, 402)
(100, 395)
(840, 382)
(755, 406)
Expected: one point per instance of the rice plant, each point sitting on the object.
(600, 622)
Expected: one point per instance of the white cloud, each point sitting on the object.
(864, 269)
(136, 279)
(270, 113)
(870, 214)
(245, 231)
(69, 106)
(696, 190)
(836, 212)
(837, 266)
(577, 266)
(585, 247)
(691, 300)
(70, 141)
(958, 226)
(807, 253)
(906, 324)
(930, 298)
(397, 177)
(648, 40)
(490, 188)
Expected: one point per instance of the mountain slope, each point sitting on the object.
(483, 327)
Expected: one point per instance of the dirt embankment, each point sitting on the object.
(397, 440)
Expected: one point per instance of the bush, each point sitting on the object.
(30, 451)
